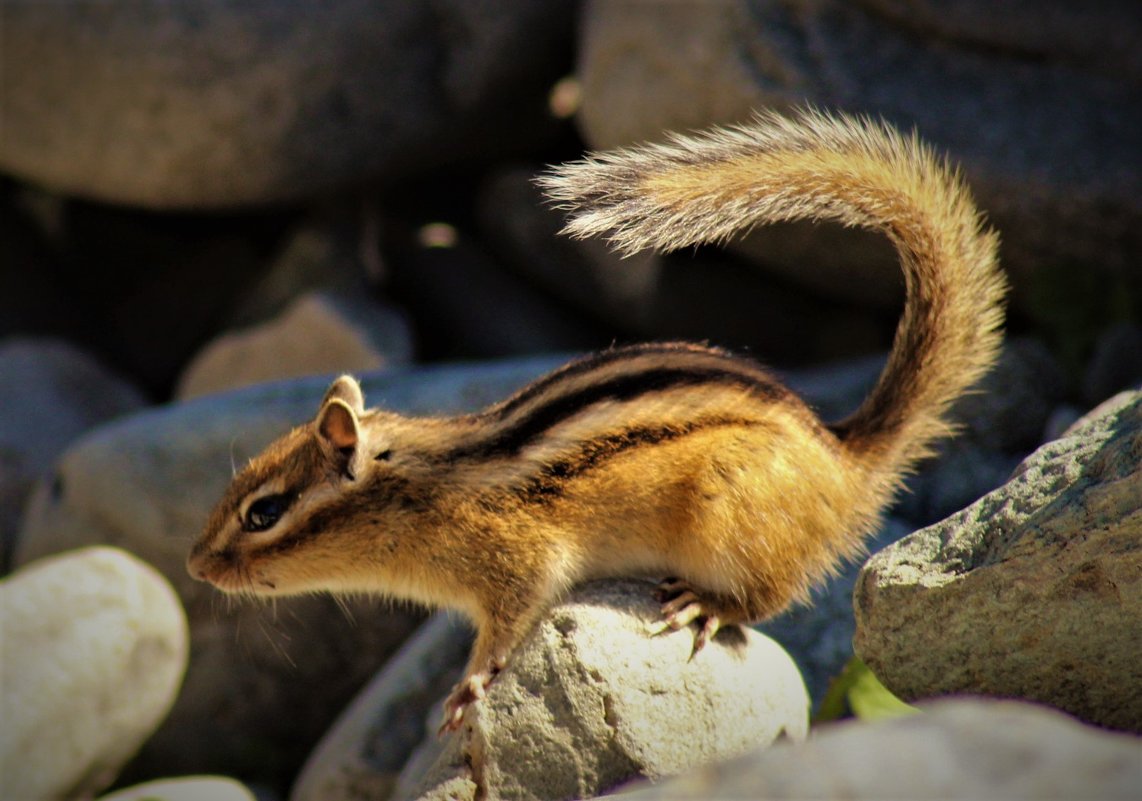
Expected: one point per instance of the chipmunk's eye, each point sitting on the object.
(265, 512)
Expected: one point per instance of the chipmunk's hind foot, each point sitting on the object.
(682, 605)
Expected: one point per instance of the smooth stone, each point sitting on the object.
(221, 106)
(319, 333)
(50, 394)
(94, 650)
(959, 750)
(187, 788)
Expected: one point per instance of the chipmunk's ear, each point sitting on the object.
(338, 426)
(345, 389)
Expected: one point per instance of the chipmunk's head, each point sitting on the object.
(289, 521)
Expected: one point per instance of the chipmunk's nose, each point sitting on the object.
(196, 563)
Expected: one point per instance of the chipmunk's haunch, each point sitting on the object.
(670, 460)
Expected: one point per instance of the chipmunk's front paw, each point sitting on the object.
(469, 690)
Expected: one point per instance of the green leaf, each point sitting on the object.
(869, 699)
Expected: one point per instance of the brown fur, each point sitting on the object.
(666, 459)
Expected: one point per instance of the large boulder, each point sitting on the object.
(94, 649)
(219, 105)
(1034, 591)
(1036, 100)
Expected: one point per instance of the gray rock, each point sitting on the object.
(704, 295)
(1034, 591)
(95, 645)
(1061, 419)
(319, 333)
(1035, 101)
(819, 636)
(187, 788)
(1116, 363)
(50, 393)
(958, 750)
(194, 106)
(467, 306)
(368, 748)
(573, 715)
(1002, 421)
(1009, 410)
(264, 682)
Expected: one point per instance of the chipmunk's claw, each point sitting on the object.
(681, 606)
(469, 690)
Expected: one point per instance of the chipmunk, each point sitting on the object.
(658, 459)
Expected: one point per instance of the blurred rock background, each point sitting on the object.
(199, 196)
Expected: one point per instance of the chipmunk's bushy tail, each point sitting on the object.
(710, 186)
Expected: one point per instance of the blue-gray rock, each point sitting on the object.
(50, 393)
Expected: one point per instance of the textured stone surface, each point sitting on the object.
(590, 701)
(177, 105)
(94, 645)
(961, 750)
(50, 393)
(1035, 100)
(1034, 591)
(264, 681)
(319, 333)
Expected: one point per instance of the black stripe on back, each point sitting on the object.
(622, 387)
(595, 361)
(552, 479)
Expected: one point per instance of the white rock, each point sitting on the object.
(958, 750)
(188, 788)
(590, 700)
(94, 649)
(319, 333)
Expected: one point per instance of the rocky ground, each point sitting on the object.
(206, 213)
